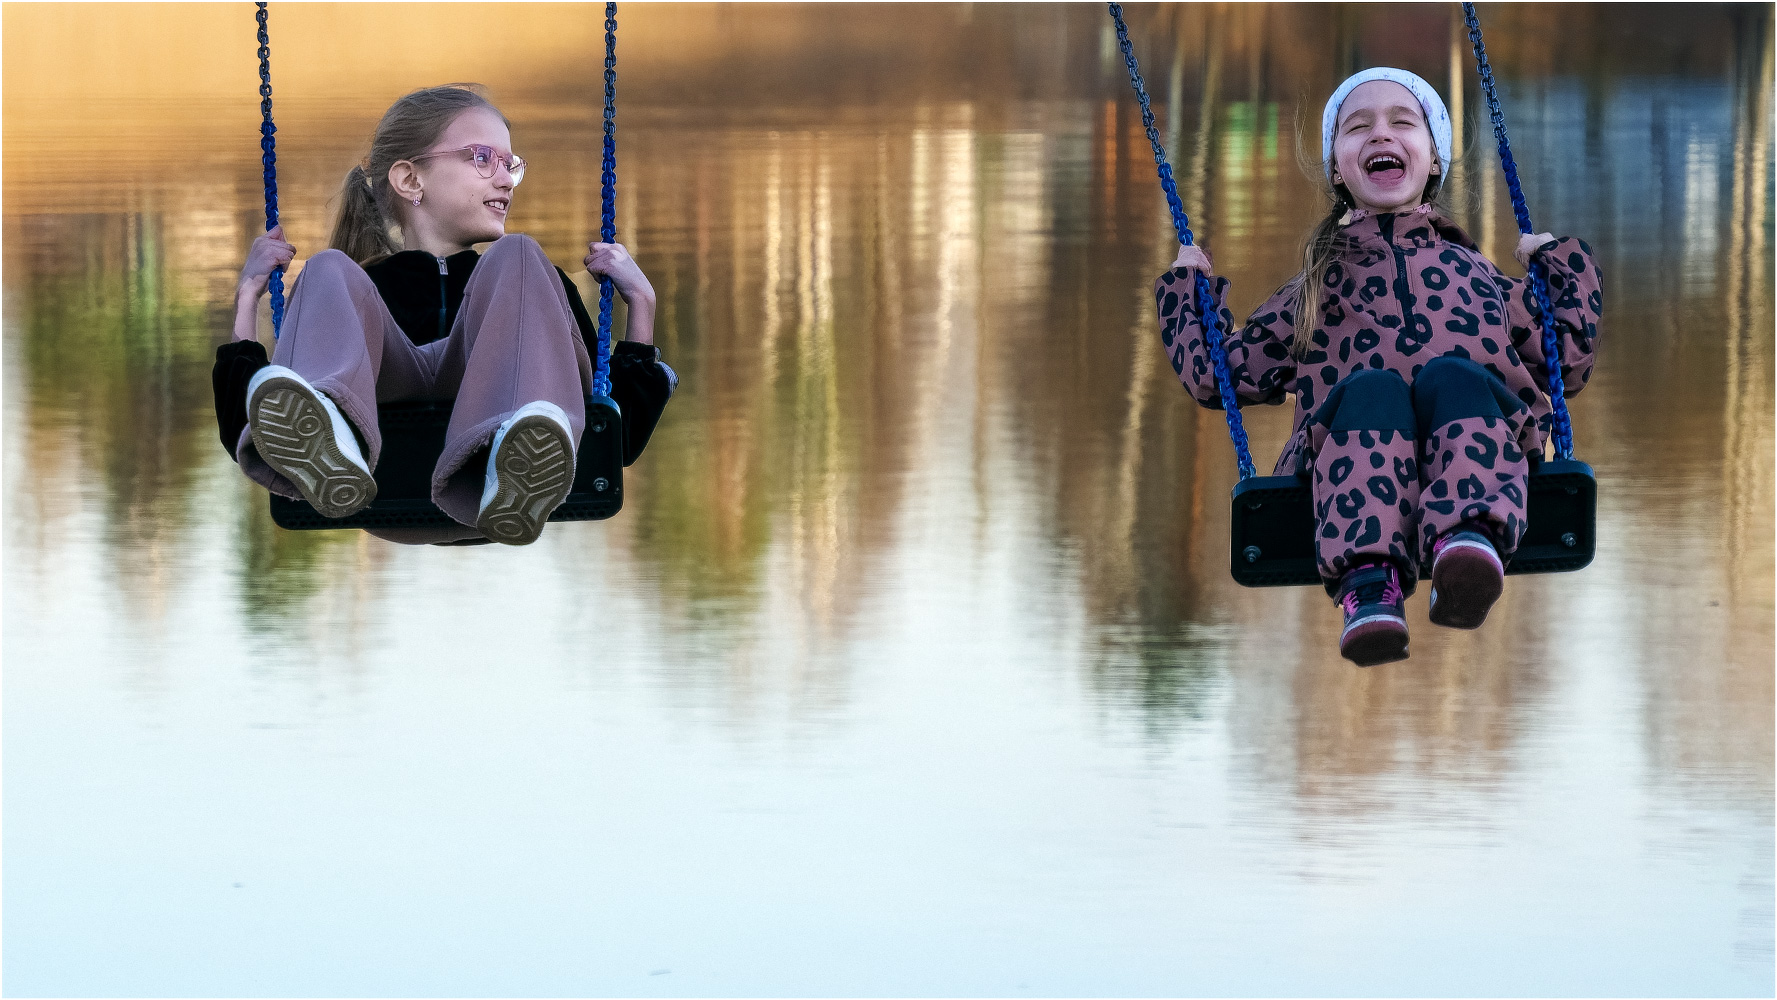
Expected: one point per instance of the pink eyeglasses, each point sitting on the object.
(486, 161)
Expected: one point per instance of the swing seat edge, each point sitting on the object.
(1271, 536)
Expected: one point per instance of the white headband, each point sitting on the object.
(1436, 116)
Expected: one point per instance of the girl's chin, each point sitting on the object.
(1401, 197)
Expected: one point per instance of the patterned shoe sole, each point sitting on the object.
(536, 470)
(1379, 639)
(1465, 581)
(295, 437)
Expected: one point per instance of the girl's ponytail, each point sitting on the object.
(362, 231)
(368, 210)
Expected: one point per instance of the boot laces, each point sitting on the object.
(1386, 590)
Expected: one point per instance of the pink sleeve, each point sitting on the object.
(1576, 291)
(1258, 353)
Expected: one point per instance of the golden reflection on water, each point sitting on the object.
(905, 253)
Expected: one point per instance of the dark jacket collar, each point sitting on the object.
(423, 301)
(412, 263)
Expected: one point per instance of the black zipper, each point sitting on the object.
(443, 297)
(1386, 224)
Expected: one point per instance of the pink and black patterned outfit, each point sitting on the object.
(1423, 397)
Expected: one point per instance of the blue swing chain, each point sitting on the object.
(270, 160)
(1207, 306)
(1537, 278)
(601, 380)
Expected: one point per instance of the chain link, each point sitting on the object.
(1208, 313)
(601, 381)
(1537, 277)
(269, 159)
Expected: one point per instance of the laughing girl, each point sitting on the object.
(1418, 369)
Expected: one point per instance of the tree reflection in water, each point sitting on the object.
(903, 258)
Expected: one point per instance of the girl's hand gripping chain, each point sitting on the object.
(1529, 244)
(1194, 258)
(268, 253)
(612, 260)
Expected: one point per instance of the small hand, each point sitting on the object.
(612, 260)
(1531, 243)
(1194, 258)
(268, 253)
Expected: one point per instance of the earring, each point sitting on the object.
(416, 202)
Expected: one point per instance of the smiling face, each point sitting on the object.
(1382, 148)
(457, 205)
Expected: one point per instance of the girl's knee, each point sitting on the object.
(1374, 399)
(1374, 381)
(331, 261)
(1453, 388)
(333, 267)
(513, 244)
(1450, 369)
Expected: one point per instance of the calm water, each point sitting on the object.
(912, 665)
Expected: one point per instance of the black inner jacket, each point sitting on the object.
(424, 304)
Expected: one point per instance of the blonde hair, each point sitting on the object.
(364, 230)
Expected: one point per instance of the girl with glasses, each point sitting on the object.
(401, 307)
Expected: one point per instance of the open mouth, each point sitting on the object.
(1385, 168)
(499, 205)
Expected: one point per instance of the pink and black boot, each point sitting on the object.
(1467, 576)
(1375, 619)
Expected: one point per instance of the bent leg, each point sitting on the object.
(1472, 473)
(339, 336)
(1362, 453)
(514, 342)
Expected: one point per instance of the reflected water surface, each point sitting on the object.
(912, 664)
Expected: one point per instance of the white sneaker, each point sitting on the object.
(530, 470)
(302, 435)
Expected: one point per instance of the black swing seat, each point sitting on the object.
(1272, 541)
(413, 438)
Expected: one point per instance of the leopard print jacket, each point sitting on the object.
(1402, 289)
